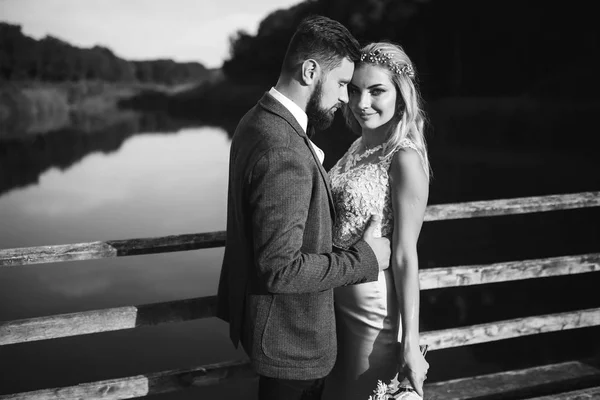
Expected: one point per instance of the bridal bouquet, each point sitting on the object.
(394, 390)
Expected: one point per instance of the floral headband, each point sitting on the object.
(377, 57)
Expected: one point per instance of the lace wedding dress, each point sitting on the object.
(366, 314)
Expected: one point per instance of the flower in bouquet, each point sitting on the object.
(394, 390)
(380, 392)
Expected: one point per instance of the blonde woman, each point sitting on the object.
(386, 173)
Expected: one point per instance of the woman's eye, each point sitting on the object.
(351, 90)
(376, 92)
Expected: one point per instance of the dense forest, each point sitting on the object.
(460, 47)
(53, 60)
(475, 61)
(463, 47)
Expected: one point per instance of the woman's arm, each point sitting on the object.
(409, 188)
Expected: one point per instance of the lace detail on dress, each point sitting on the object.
(359, 191)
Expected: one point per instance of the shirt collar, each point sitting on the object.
(292, 107)
(300, 116)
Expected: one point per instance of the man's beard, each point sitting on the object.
(318, 117)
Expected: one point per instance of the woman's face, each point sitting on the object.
(372, 96)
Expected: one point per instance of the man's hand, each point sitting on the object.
(381, 246)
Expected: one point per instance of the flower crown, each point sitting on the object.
(378, 57)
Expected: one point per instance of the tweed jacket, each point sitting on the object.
(280, 267)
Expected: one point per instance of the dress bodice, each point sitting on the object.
(360, 190)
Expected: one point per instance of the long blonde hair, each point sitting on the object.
(410, 117)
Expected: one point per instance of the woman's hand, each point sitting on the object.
(413, 366)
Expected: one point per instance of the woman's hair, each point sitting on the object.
(409, 120)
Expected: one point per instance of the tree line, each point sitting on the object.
(462, 47)
(53, 60)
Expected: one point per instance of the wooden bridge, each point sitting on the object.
(576, 379)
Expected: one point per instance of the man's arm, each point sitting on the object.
(280, 194)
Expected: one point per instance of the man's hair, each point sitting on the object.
(322, 39)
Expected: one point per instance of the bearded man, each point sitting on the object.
(279, 267)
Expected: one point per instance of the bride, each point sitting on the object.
(385, 172)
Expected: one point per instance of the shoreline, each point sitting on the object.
(31, 107)
(516, 123)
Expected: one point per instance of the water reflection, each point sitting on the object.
(24, 156)
(155, 185)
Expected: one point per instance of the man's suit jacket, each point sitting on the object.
(279, 266)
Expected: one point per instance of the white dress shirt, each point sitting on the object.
(300, 116)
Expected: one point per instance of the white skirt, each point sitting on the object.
(367, 333)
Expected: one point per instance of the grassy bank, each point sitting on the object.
(216, 102)
(38, 107)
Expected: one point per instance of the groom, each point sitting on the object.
(280, 267)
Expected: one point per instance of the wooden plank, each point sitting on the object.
(56, 253)
(435, 278)
(510, 383)
(165, 244)
(520, 205)
(500, 330)
(108, 249)
(520, 384)
(129, 247)
(120, 318)
(111, 319)
(583, 394)
(143, 385)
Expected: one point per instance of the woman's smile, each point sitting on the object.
(372, 96)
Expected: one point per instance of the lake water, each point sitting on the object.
(153, 185)
(163, 183)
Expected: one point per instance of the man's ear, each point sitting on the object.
(311, 70)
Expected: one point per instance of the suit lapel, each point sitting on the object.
(324, 175)
(274, 106)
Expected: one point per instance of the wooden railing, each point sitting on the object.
(130, 317)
